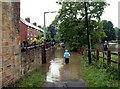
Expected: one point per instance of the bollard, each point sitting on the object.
(108, 57)
(97, 54)
(103, 56)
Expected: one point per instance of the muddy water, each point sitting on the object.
(111, 46)
(57, 71)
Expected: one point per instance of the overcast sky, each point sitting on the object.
(35, 9)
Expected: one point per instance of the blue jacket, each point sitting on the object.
(66, 54)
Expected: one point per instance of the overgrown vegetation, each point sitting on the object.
(70, 22)
(39, 39)
(35, 79)
(98, 75)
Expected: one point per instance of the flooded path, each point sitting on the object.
(59, 74)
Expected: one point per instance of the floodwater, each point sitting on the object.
(111, 46)
(57, 71)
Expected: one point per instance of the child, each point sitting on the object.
(66, 56)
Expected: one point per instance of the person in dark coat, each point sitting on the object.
(105, 47)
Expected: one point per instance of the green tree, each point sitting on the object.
(52, 31)
(117, 32)
(109, 30)
(48, 35)
(38, 37)
(71, 23)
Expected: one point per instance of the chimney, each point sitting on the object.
(35, 23)
(27, 19)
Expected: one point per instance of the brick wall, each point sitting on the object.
(23, 32)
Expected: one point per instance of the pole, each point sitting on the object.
(88, 39)
(44, 46)
(44, 26)
(118, 38)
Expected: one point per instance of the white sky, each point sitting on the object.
(35, 9)
(111, 12)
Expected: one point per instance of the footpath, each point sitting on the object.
(67, 84)
(63, 75)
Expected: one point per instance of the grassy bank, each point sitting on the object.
(34, 79)
(96, 75)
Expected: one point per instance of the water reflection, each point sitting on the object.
(53, 75)
(59, 71)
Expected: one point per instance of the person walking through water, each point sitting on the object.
(66, 56)
(105, 47)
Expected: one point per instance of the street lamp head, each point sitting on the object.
(53, 12)
(50, 12)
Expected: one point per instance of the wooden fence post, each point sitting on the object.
(119, 62)
(97, 54)
(103, 55)
(109, 58)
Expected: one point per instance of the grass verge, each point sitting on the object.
(96, 75)
(34, 79)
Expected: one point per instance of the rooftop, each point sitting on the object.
(31, 25)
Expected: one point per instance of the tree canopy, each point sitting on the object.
(71, 23)
(52, 31)
(109, 30)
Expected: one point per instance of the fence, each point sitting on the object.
(96, 55)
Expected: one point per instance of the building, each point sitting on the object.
(28, 31)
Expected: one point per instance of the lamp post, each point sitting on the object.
(44, 46)
(88, 37)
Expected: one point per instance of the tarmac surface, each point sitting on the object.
(67, 84)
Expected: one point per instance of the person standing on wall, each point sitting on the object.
(66, 56)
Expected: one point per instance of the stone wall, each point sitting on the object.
(9, 42)
(0, 44)
(30, 59)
